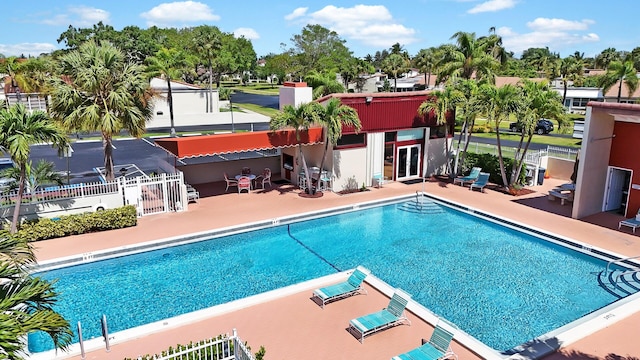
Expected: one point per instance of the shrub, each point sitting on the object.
(491, 164)
(43, 229)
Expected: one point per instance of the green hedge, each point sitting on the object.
(42, 229)
(491, 164)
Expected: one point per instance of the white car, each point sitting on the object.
(5, 163)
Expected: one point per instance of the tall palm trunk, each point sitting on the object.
(503, 173)
(620, 88)
(324, 157)
(16, 209)
(108, 157)
(170, 100)
(210, 109)
(307, 176)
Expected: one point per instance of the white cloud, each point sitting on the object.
(79, 16)
(26, 49)
(248, 33)
(492, 6)
(546, 24)
(372, 25)
(299, 12)
(557, 34)
(179, 12)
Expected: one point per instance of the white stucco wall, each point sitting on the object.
(349, 166)
(189, 109)
(295, 96)
(592, 174)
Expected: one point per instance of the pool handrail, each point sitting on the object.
(620, 261)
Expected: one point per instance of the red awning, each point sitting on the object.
(208, 145)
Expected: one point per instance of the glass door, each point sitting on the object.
(408, 161)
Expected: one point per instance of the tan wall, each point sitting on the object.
(560, 168)
(436, 159)
(189, 108)
(350, 167)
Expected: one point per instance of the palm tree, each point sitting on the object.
(538, 101)
(20, 129)
(468, 109)
(26, 302)
(104, 93)
(470, 57)
(44, 173)
(570, 70)
(606, 57)
(395, 64)
(442, 103)
(498, 104)
(300, 119)
(333, 118)
(619, 72)
(324, 83)
(34, 77)
(425, 60)
(169, 64)
(207, 41)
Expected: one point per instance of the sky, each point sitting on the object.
(564, 26)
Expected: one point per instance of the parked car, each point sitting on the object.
(5, 182)
(544, 126)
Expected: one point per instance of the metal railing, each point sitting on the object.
(531, 155)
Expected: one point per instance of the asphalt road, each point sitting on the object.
(270, 101)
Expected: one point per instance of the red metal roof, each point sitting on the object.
(388, 111)
(207, 145)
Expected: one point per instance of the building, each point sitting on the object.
(394, 142)
(609, 171)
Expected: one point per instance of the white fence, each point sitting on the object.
(224, 347)
(150, 195)
(553, 151)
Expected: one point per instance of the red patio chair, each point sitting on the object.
(244, 183)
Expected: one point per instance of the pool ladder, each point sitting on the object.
(620, 283)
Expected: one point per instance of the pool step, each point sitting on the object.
(421, 206)
(620, 283)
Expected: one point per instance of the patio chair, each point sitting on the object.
(633, 222)
(230, 182)
(390, 316)
(192, 194)
(473, 175)
(244, 183)
(264, 178)
(436, 348)
(378, 180)
(325, 181)
(480, 182)
(352, 286)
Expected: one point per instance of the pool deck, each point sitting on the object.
(295, 327)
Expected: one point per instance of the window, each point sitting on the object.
(390, 136)
(580, 102)
(351, 140)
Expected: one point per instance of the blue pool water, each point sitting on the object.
(499, 285)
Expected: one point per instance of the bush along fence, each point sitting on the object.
(43, 228)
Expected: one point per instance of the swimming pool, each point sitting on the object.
(497, 284)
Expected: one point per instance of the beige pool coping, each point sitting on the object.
(294, 327)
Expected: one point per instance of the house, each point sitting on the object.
(609, 171)
(394, 142)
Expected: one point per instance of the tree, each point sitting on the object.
(498, 104)
(468, 108)
(324, 83)
(44, 173)
(606, 57)
(333, 118)
(425, 60)
(469, 57)
(206, 43)
(35, 75)
(300, 119)
(104, 93)
(20, 129)
(26, 302)
(393, 65)
(571, 70)
(441, 104)
(169, 64)
(620, 72)
(538, 57)
(538, 101)
(319, 49)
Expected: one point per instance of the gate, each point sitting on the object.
(155, 195)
